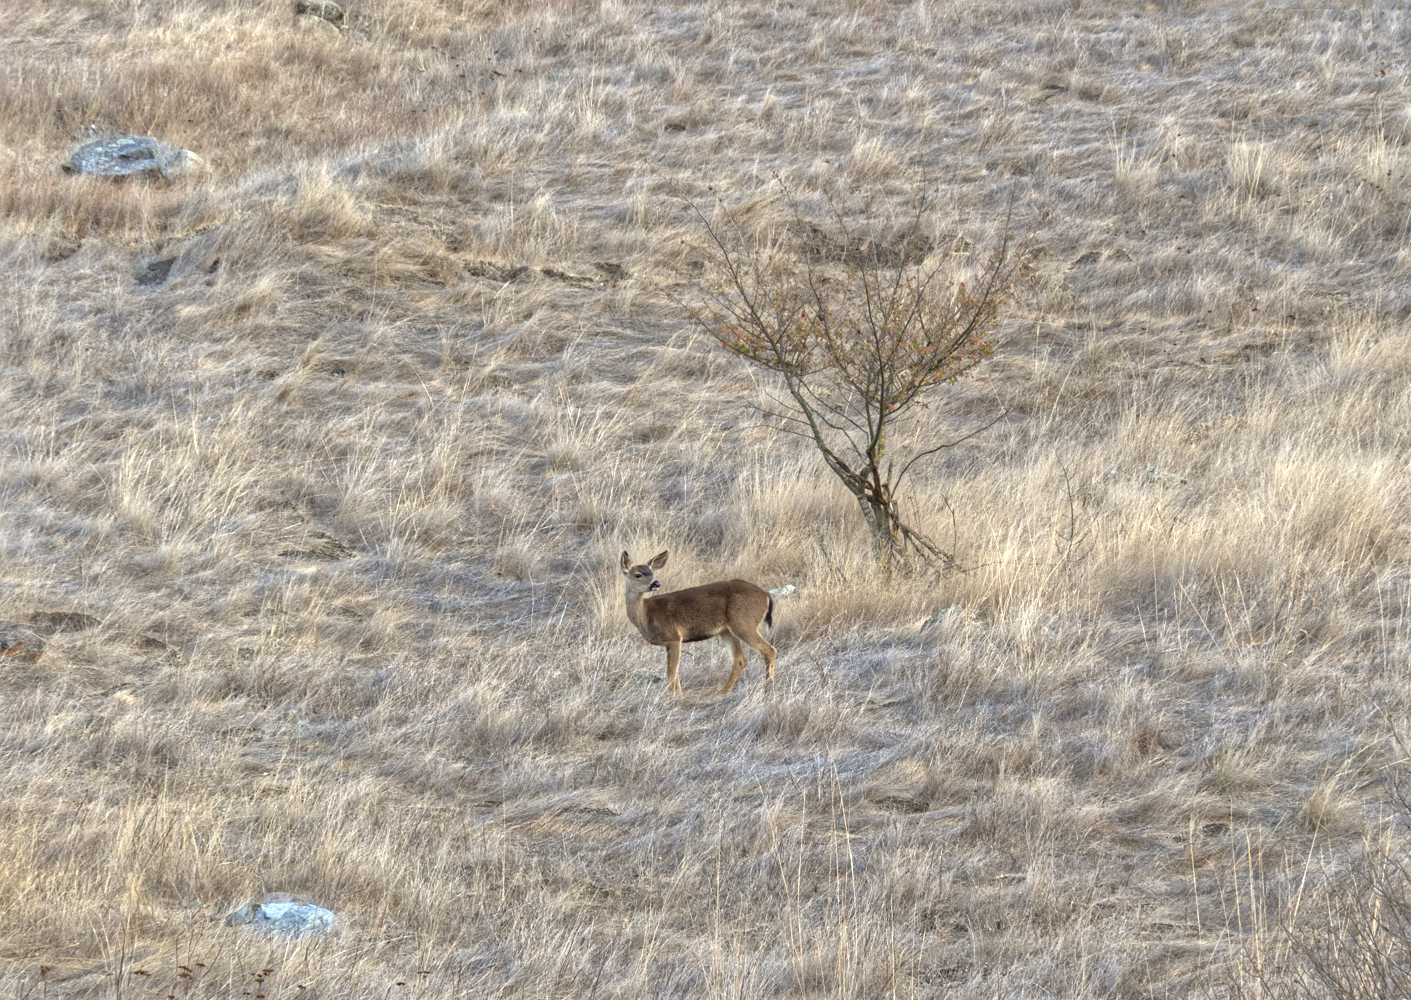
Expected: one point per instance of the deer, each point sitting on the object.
(731, 609)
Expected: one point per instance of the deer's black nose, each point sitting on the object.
(655, 585)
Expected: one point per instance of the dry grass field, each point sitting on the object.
(347, 490)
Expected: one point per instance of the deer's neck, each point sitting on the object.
(637, 611)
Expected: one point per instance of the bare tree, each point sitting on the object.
(861, 329)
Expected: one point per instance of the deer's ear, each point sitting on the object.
(626, 562)
(658, 561)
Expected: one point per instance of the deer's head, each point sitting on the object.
(640, 578)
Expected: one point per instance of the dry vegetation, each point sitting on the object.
(346, 492)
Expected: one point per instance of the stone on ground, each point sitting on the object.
(326, 9)
(20, 643)
(121, 156)
(283, 914)
(62, 621)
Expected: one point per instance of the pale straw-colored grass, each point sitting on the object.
(347, 493)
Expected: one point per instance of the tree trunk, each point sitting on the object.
(886, 540)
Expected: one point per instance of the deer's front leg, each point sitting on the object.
(673, 657)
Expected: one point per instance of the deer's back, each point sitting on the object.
(701, 612)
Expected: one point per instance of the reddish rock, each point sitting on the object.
(20, 643)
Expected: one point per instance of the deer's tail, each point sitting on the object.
(769, 615)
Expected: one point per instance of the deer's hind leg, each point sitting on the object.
(737, 649)
(765, 650)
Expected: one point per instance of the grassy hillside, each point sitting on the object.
(346, 492)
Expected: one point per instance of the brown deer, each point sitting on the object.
(731, 609)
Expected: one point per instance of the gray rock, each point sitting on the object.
(953, 613)
(62, 621)
(285, 915)
(85, 725)
(642, 676)
(320, 546)
(121, 156)
(325, 9)
(156, 272)
(1156, 475)
(312, 24)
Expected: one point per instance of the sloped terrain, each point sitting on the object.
(337, 442)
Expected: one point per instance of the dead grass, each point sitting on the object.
(347, 489)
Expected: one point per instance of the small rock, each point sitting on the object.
(1161, 476)
(121, 156)
(310, 23)
(569, 279)
(887, 699)
(784, 591)
(156, 272)
(320, 546)
(496, 272)
(60, 248)
(642, 676)
(283, 914)
(903, 803)
(325, 9)
(62, 621)
(20, 643)
(85, 725)
(154, 643)
(951, 613)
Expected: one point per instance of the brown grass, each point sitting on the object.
(346, 493)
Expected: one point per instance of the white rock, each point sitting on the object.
(283, 914)
(131, 156)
